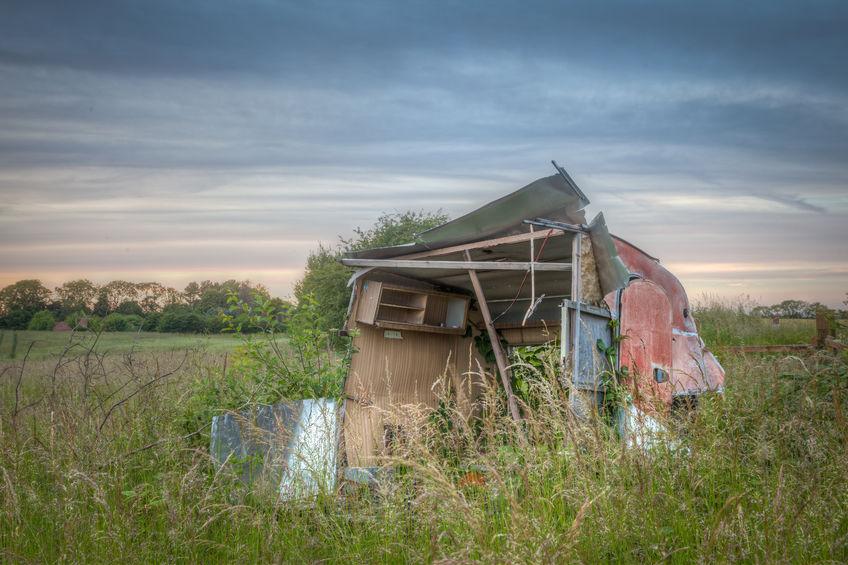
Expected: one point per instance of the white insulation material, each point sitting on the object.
(640, 429)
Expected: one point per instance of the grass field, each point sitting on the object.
(51, 344)
(721, 326)
(99, 463)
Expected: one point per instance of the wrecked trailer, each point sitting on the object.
(525, 269)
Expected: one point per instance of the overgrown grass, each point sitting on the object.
(757, 474)
(727, 324)
(50, 344)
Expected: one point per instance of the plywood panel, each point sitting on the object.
(437, 308)
(368, 302)
(386, 373)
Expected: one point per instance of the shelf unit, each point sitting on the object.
(403, 308)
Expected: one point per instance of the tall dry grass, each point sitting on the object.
(722, 322)
(756, 474)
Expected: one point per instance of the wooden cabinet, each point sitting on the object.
(402, 308)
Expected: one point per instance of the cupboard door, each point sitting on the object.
(369, 302)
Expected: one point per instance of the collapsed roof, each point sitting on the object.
(546, 203)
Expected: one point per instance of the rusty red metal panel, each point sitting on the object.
(694, 369)
(647, 345)
(649, 268)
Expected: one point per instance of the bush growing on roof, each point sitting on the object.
(42, 321)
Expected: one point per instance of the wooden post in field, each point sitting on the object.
(822, 328)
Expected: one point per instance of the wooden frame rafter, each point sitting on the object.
(456, 265)
(485, 244)
(500, 355)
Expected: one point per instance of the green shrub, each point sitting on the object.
(16, 319)
(75, 318)
(130, 307)
(134, 322)
(42, 321)
(151, 322)
(115, 322)
(303, 365)
(182, 321)
(84, 322)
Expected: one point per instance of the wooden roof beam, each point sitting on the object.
(455, 265)
(485, 244)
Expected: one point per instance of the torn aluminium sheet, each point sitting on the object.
(293, 445)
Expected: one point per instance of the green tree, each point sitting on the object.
(212, 297)
(153, 296)
(130, 307)
(113, 294)
(20, 301)
(26, 295)
(80, 294)
(394, 229)
(326, 279)
(42, 321)
(191, 293)
(794, 309)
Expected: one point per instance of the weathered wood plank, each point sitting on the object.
(456, 265)
(500, 356)
(485, 244)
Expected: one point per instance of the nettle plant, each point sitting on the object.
(613, 378)
(288, 351)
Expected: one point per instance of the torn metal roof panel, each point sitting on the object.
(612, 274)
(552, 197)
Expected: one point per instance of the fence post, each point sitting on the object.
(823, 330)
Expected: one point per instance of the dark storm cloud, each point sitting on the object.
(158, 121)
(315, 39)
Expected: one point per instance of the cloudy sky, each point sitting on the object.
(175, 141)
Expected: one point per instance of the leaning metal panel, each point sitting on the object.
(594, 326)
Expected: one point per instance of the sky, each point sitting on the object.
(179, 141)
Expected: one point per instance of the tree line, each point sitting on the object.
(201, 307)
(126, 306)
(793, 309)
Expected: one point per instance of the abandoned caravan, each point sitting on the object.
(525, 269)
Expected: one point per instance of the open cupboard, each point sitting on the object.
(403, 308)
